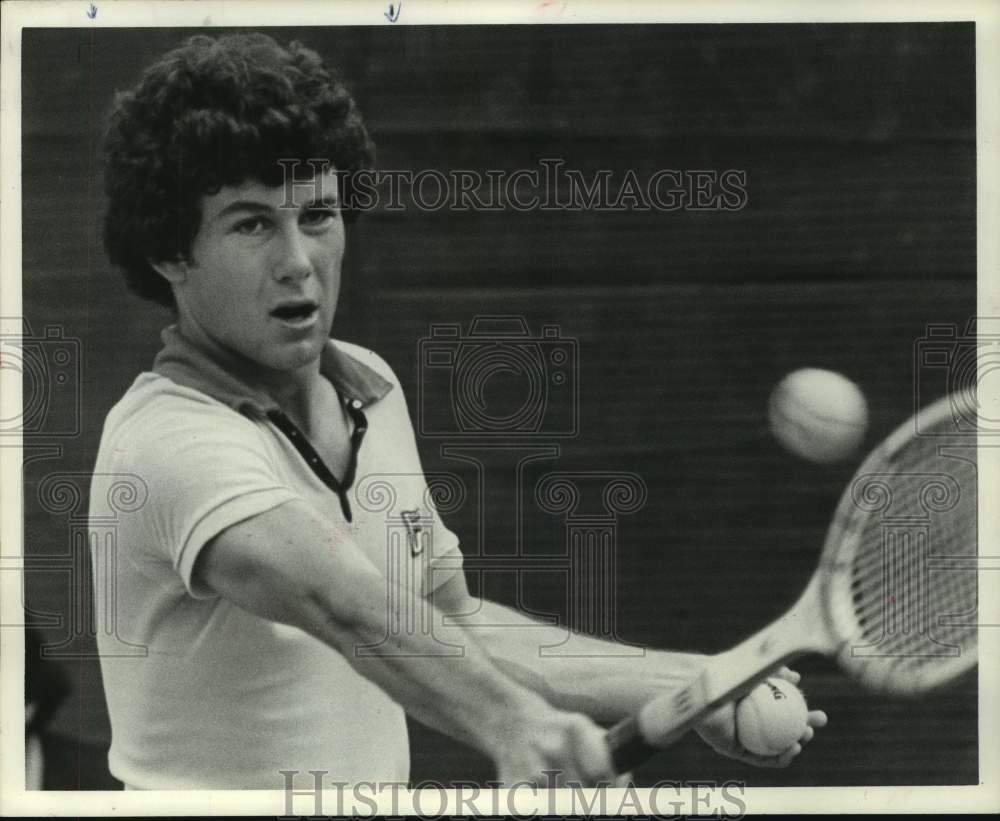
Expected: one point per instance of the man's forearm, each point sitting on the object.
(468, 696)
(463, 695)
(605, 680)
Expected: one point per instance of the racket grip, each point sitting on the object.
(627, 745)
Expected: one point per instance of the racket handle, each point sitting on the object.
(660, 722)
(628, 747)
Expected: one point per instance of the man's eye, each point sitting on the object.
(319, 216)
(250, 226)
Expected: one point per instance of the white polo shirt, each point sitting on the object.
(222, 698)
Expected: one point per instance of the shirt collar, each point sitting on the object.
(214, 375)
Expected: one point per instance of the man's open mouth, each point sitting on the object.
(295, 311)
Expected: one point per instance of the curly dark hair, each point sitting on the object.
(213, 113)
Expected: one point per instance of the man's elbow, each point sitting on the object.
(335, 597)
(343, 613)
(244, 579)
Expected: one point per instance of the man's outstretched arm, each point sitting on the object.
(605, 680)
(287, 565)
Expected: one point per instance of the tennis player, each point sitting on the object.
(251, 574)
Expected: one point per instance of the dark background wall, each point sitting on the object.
(858, 142)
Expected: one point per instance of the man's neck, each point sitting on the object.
(301, 398)
(296, 392)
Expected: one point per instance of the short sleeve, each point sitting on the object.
(205, 467)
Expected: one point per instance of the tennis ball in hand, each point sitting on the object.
(818, 415)
(771, 718)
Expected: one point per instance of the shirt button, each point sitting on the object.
(355, 403)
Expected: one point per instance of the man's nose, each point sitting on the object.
(293, 256)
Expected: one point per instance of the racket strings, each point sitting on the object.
(913, 575)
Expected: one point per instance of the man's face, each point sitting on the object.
(264, 273)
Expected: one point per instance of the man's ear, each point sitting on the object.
(173, 271)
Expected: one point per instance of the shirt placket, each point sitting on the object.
(315, 462)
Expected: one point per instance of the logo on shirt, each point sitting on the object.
(411, 520)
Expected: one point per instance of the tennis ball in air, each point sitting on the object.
(771, 718)
(819, 415)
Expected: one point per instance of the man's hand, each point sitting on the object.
(718, 730)
(551, 748)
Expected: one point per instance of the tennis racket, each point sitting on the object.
(894, 598)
